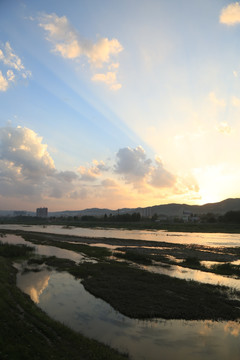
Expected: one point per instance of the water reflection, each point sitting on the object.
(44, 249)
(211, 239)
(191, 274)
(34, 284)
(173, 270)
(65, 299)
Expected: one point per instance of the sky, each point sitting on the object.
(114, 104)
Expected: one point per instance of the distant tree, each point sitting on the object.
(231, 217)
(88, 218)
(154, 217)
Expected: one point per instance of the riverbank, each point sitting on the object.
(28, 333)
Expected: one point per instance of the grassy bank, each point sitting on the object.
(28, 333)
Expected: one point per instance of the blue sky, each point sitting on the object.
(118, 103)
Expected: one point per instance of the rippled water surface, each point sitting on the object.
(215, 239)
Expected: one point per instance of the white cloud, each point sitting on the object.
(103, 50)
(160, 177)
(224, 128)
(27, 169)
(137, 169)
(218, 102)
(23, 148)
(3, 82)
(9, 58)
(12, 61)
(70, 45)
(132, 164)
(109, 78)
(230, 15)
(10, 75)
(92, 172)
(27, 172)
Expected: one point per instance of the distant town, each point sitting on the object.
(225, 211)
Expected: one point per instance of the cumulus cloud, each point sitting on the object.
(230, 15)
(27, 169)
(92, 172)
(160, 177)
(70, 45)
(218, 102)
(23, 148)
(136, 168)
(132, 163)
(10, 60)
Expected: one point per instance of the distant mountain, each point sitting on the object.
(218, 208)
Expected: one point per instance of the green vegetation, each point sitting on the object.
(14, 251)
(192, 262)
(228, 223)
(134, 256)
(47, 239)
(140, 294)
(53, 261)
(26, 332)
(226, 269)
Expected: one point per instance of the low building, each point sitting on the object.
(42, 212)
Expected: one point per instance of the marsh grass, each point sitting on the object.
(14, 251)
(192, 262)
(134, 256)
(226, 269)
(90, 251)
(140, 294)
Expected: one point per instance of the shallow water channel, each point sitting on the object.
(64, 298)
(208, 239)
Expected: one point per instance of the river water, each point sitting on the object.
(207, 239)
(65, 299)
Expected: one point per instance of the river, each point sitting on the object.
(64, 298)
(207, 239)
